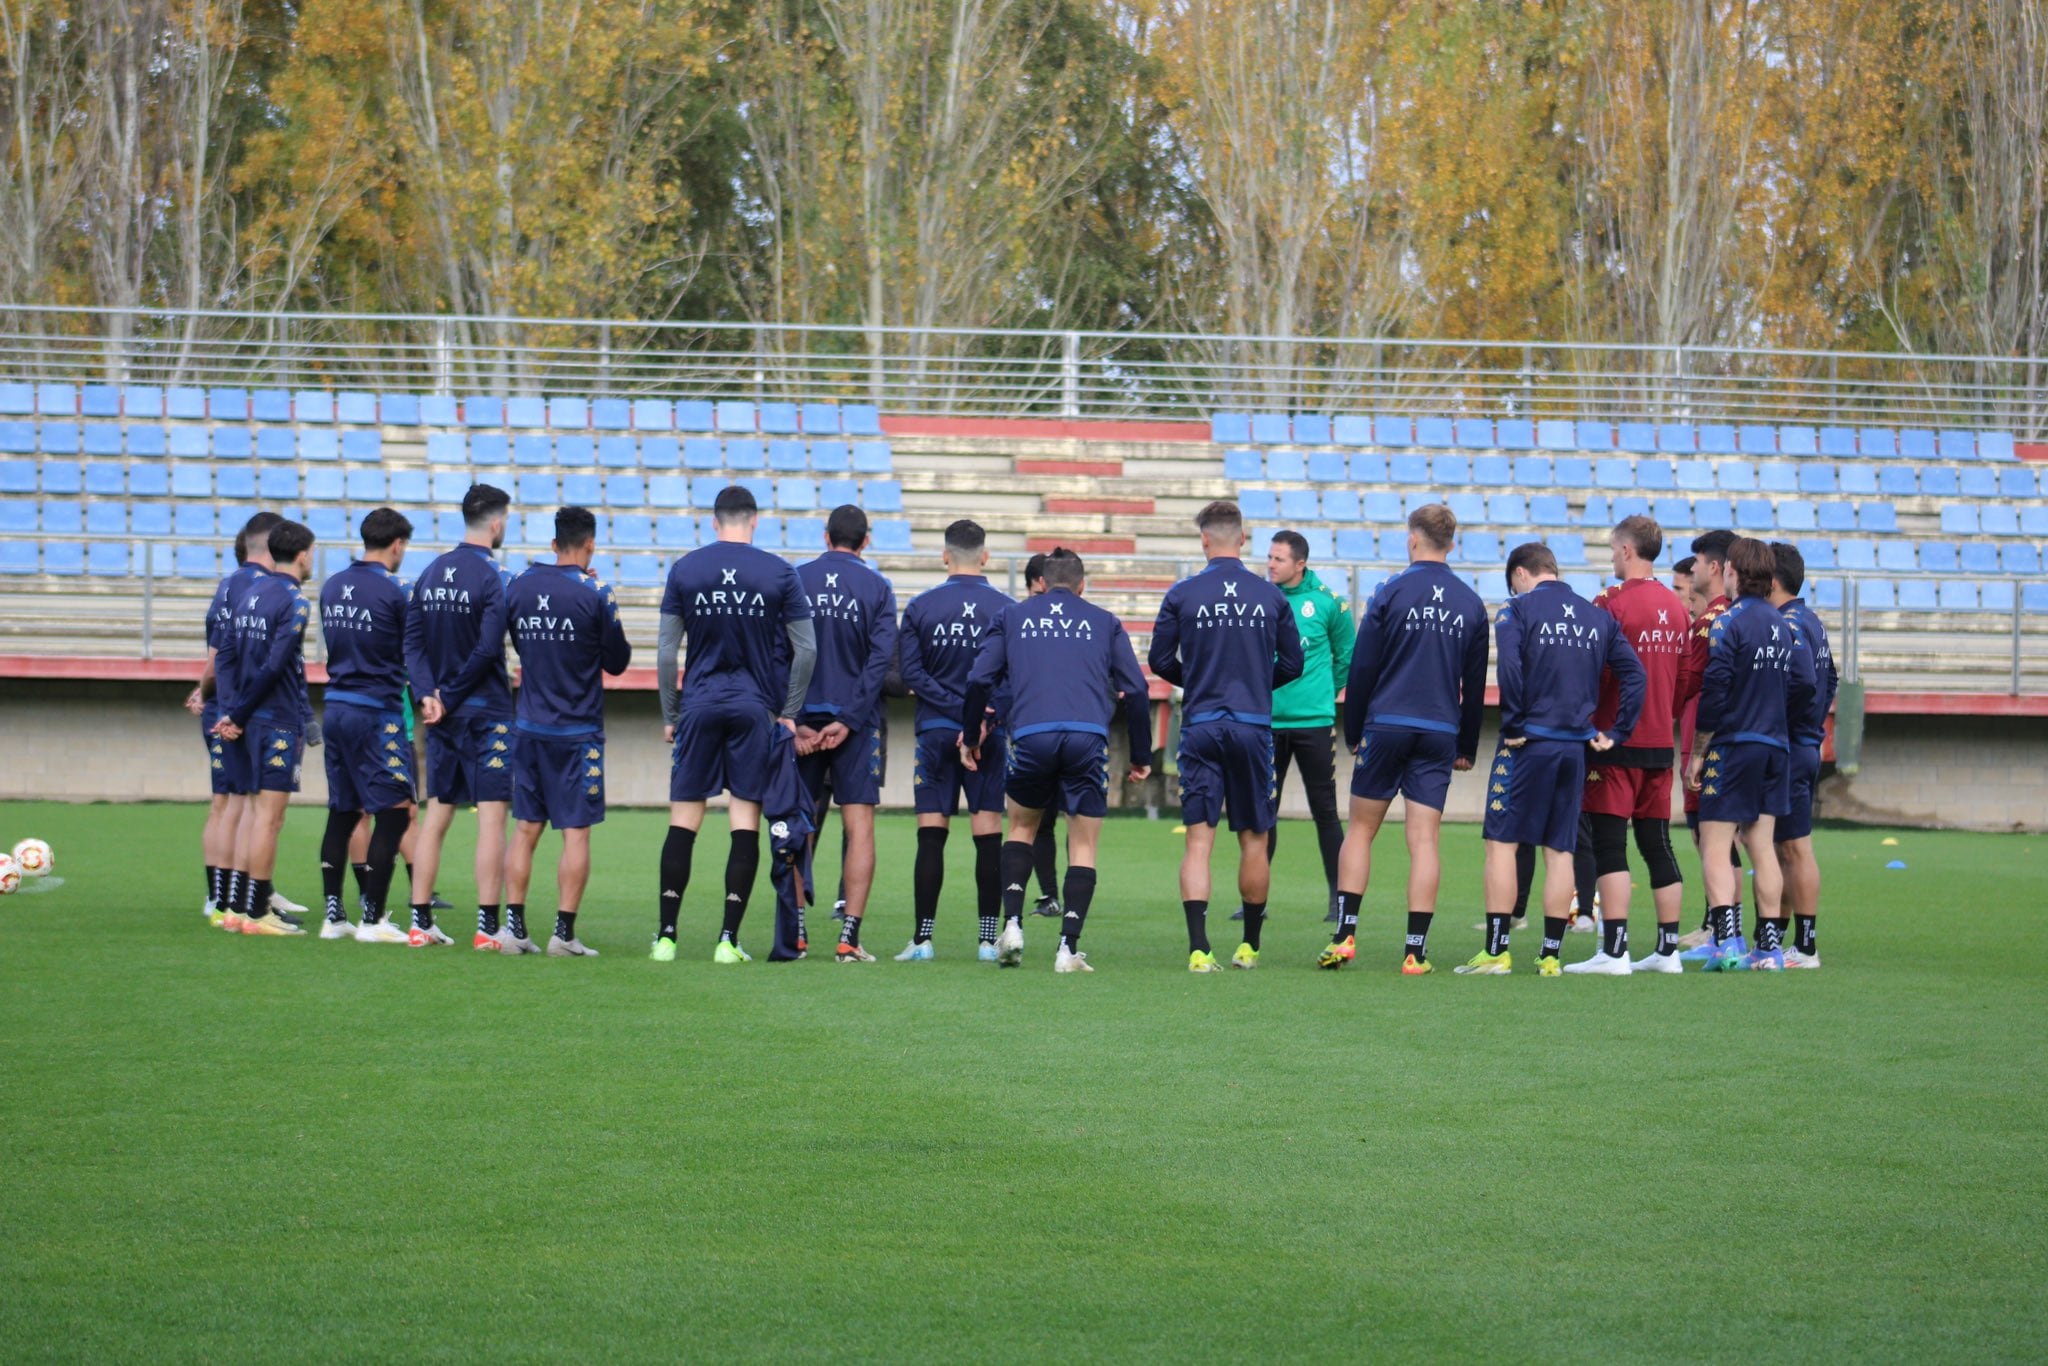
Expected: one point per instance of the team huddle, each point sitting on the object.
(784, 670)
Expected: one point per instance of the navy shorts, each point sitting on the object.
(1226, 766)
(1414, 763)
(227, 761)
(1745, 779)
(469, 759)
(939, 779)
(273, 754)
(722, 746)
(853, 771)
(1533, 794)
(1063, 769)
(1797, 822)
(369, 763)
(558, 779)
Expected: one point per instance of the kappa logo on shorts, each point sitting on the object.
(391, 747)
(280, 745)
(497, 746)
(1499, 805)
(591, 791)
(593, 772)
(495, 763)
(277, 761)
(1593, 776)
(1709, 790)
(593, 755)
(394, 762)
(391, 728)
(1712, 773)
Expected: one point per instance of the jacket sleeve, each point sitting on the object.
(1337, 622)
(1627, 668)
(1715, 679)
(1129, 679)
(910, 655)
(1802, 689)
(874, 674)
(286, 637)
(1164, 656)
(1288, 657)
(489, 651)
(1692, 673)
(418, 667)
(1514, 708)
(618, 651)
(1363, 675)
(1472, 690)
(991, 667)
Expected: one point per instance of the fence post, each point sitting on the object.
(1070, 375)
(604, 358)
(2017, 591)
(148, 600)
(1852, 629)
(444, 358)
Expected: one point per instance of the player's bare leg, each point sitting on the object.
(491, 820)
(1801, 898)
(1084, 836)
(426, 863)
(742, 863)
(1502, 886)
(519, 859)
(1354, 875)
(262, 822)
(857, 874)
(1194, 893)
(1422, 828)
(217, 843)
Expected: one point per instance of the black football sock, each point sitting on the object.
(387, 830)
(487, 917)
(515, 919)
(565, 925)
(363, 884)
(1553, 936)
(1667, 937)
(1347, 915)
(1044, 863)
(259, 898)
(1770, 934)
(1525, 878)
(928, 879)
(1497, 934)
(676, 852)
(1254, 922)
(1727, 923)
(231, 890)
(988, 878)
(1802, 934)
(213, 881)
(334, 860)
(1197, 913)
(1756, 928)
(1614, 937)
(1418, 934)
(740, 867)
(1080, 890)
(1015, 872)
(422, 914)
(849, 932)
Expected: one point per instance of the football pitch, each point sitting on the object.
(225, 1148)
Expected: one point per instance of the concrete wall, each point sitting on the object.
(87, 741)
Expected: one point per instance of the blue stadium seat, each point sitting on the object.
(1957, 445)
(1797, 441)
(2033, 520)
(63, 516)
(1859, 478)
(149, 481)
(1856, 552)
(1391, 430)
(861, 419)
(1556, 434)
(891, 537)
(308, 405)
(1614, 472)
(625, 491)
(1263, 504)
(805, 534)
(1450, 469)
(1346, 429)
(695, 415)
(1507, 509)
(1679, 438)
(56, 399)
(1299, 505)
(1670, 512)
(362, 446)
(1473, 433)
(277, 443)
(1978, 481)
(1777, 476)
(1958, 595)
(1468, 508)
(17, 397)
(1937, 481)
(1533, 471)
(1328, 467)
(2019, 557)
(1595, 512)
(617, 453)
(1368, 467)
(1712, 513)
(228, 405)
(661, 453)
(1898, 556)
(2017, 482)
(1408, 469)
(485, 448)
(1796, 514)
(106, 477)
(1311, 429)
(107, 559)
(1627, 505)
(18, 438)
(616, 414)
(830, 457)
(872, 457)
(1568, 546)
(147, 441)
(1995, 595)
(1754, 514)
(1514, 434)
(653, 415)
(196, 562)
(1818, 477)
(450, 486)
(641, 571)
(822, 419)
(1340, 505)
(1838, 441)
(1378, 505)
(1995, 446)
(1898, 481)
(1877, 517)
(703, 453)
(1286, 465)
(881, 495)
(1715, 440)
(526, 412)
(668, 491)
(1481, 547)
(1694, 476)
(1655, 475)
(1355, 544)
(1977, 557)
(1877, 594)
(834, 493)
(2034, 597)
(1271, 429)
(1595, 436)
(185, 403)
(188, 519)
(1919, 595)
(1240, 465)
(106, 519)
(102, 438)
(59, 438)
(568, 414)
(787, 457)
(632, 530)
(1918, 444)
(1639, 437)
(447, 448)
(531, 451)
(1836, 516)
(234, 443)
(1572, 472)
(1825, 594)
(99, 400)
(1393, 545)
(536, 487)
(1878, 442)
(674, 531)
(796, 495)
(1492, 471)
(234, 483)
(323, 485)
(278, 484)
(1817, 551)
(704, 490)
(1999, 519)
(1753, 439)
(1549, 509)
(407, 486)
(17, 514)
(448, 527)
(1959, 519)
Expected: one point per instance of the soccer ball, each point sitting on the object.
(33, 858)
(10, 874)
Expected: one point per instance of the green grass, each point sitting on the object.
(231, 1149)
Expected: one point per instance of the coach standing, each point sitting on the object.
(1305, 711)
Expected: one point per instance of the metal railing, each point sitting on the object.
(1022, 373)
(166, 609)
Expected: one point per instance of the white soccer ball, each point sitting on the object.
(10, 874)
(33, 857)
